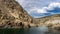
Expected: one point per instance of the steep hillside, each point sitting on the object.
(12, 15)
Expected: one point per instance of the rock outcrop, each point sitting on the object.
(52, 21)
(12, 15)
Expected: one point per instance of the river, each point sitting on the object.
(33, 30)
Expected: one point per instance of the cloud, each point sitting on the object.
(51, 6)
(54, 5)
(43, 10)
(33, 5)
(38, 8)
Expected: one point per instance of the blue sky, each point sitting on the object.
(41, 8)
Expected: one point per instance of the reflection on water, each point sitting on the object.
(38, 30)
(34, 30)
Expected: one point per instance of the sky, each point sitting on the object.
(40, 8)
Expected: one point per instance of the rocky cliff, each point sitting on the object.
(52, 21)
(12, 15)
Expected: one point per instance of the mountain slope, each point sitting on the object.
(12, 15)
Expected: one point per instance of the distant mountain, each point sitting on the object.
(50, 21)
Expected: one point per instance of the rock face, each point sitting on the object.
(12, 15)
(52, 21)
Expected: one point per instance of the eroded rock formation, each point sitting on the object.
(12, 15)
(52, 21)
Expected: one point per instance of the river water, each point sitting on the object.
(34, 30)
